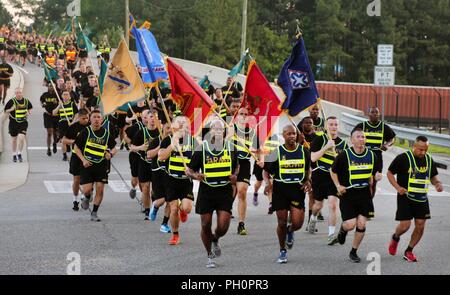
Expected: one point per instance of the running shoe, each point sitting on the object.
(133, 193)
(85, 203)
(312, 226)
(153, 212)
(215, 248)
(55, 148)
(19, 156)
(332, 240)
(94, 217)
(320, 217)
(75, 206)
(255, 200)
(341, 236)
(282, 258)
(15, 159)
(175, 240)
(211, 262)
(164, 228)
(64, 157)
(49, 152)
(409, 256)
(393, 247)
(270, 211)
(241, 229)
(354, 258)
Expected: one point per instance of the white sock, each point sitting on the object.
(331, 230)
(75, 198)
(314, 217)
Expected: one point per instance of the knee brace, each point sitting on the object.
(358, 230)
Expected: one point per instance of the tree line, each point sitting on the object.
(340, 36)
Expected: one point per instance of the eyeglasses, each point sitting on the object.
(243, 114)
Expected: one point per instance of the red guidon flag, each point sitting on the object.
(192, 100)
(261, 101)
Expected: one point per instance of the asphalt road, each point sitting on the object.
(38, 229)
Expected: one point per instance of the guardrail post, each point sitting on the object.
(376, 97)
(356, 97)
(418, 108)
(440, 110)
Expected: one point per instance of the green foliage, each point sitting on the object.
(340, 37)
(5, 17)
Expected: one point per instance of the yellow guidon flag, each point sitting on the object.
(122, 82)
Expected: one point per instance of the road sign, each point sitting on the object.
(385, 55)
(384, 76)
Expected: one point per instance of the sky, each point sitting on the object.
(12, 11)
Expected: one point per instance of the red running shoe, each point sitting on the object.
(410, 257)
(393, 247)
(175, 240)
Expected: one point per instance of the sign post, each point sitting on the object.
(384, 71)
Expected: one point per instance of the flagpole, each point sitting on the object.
(171, 127)
(127, 22)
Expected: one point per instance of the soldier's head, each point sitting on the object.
(144, 116)
(18, 93)
(307, 124)
(290, 135)
(358, 138)
(66, 96)
(420, 146)
(242, 116)
(235, 105)
(83, 117)
(374, 114)
(332, 125)
(96, 119)
(314, 111)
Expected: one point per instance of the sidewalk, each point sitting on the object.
(12, 175)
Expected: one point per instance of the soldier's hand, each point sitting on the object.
(439, 187)
(233, 179)
(401, 191)
(200, 177)
(330, 144)
(378, 176)
(107, 155)
(341, 190)
(86, 164)
(260, 164)
(268, 189)
(306, 186)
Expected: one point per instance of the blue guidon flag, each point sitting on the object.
(297, 81)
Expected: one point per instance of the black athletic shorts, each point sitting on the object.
(144, 171)
(62, 128)
(258, 172)
(23, 54)
(159, 178)
(16, 128)
(179, 189)
(408, 209)
(351, 207)
(322, 185)
(6, 82)
(95, 173)
(11, 51)
(134, 160)
(244, 171)
(287, 195)
(71, 65)
(212, 199)
(51, 121)
(75, 165)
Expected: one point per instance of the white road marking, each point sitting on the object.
(58, 187)
(118, 186)
(22, 69)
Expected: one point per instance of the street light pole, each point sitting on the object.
(244, 29)
(127, 22)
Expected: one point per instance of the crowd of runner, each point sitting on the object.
(165, 158)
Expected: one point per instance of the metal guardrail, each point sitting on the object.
(350, 121)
